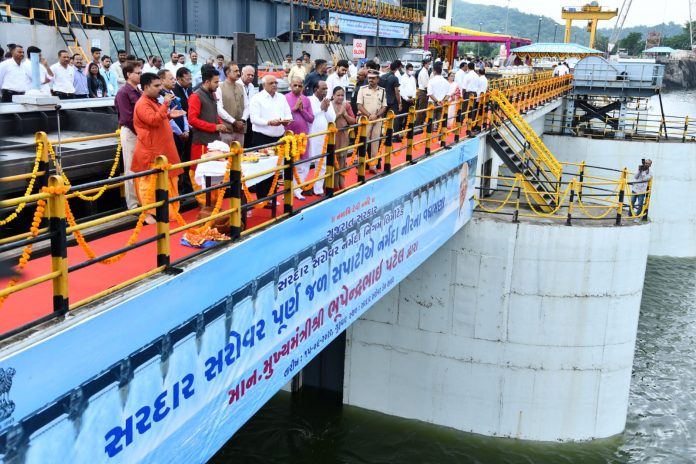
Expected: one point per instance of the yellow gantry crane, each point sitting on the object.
(591, 12)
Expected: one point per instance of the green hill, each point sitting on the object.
(492, 19)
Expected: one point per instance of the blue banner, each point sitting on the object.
(362, 26)
(169, 371)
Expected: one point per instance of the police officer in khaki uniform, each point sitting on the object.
(372, 103)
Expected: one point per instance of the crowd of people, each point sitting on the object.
(71, 77)
(180, 108)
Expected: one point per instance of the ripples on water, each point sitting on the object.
(661, 426)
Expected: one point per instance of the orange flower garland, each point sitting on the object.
(318, 168)
(30, 187)
(26, 253)
(83, 243)
(102, 189)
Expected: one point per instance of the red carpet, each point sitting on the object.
(32, 303)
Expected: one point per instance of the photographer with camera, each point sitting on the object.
(640, 187)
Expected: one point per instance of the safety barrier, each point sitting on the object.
(584, 195)
(633, 126)
(355, 160)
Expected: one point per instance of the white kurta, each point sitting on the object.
(316, 144)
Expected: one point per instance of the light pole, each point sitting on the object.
(539, 29)
(507, 15)
(126, 27)
(555, 28)
(478, 45)
(377, 36)
(292, 18)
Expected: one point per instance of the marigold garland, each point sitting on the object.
(131, 240)
(12, 216)
(26, 253)
(103, 188)
(318, 168)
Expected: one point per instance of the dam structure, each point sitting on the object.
(487, 276)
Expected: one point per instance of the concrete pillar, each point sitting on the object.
(672, 210)
(517, 330)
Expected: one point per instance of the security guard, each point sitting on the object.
(372, 103)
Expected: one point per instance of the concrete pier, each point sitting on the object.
(672, 212)
(518, 330)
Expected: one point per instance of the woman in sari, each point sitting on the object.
(344, 118)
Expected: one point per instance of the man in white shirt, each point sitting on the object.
(248, 73)
(117, 68)
(438, 90)
(45, 73)
(63, 77)
(422, 79)
(13, 77)
(407, 90)
(173, 65)
(562, 69)
(338, 79)
(269, 113)
(482, 82)
(353, 69)
(232, 105)
(460, 76)
(323, 115)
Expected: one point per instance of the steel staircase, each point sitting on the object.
(523, 152)
(65, 20)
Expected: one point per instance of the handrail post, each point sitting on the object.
(330, 160)
(646, 207)
(467, 116)
(162, 211)
(288, 173)
(458, 119)
(236, 191)
(388, 141)
(444, 122)
(42, 138)
(362, 148)
(410, 131)
(622, 193)
(428, 128)
(57, 226)
(570, 203)
(516, 214)
(582, 179)
(686, 128)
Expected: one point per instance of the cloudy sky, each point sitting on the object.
(647, 12)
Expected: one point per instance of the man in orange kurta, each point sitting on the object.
(151, 121)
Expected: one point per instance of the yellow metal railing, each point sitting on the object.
(635, 126)
(51, 197)
(583, 196)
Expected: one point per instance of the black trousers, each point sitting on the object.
(249, 136)
(405, 106)
(63, 95)
(183, 147)
(262, 188)
(8, 94)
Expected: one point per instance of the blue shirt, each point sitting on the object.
(111, 81)
(221, 72)
(80, 83)
(195, 73)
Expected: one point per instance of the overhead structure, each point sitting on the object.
(561, 51)
(591, 12)
(450, 36)
(623, 13)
